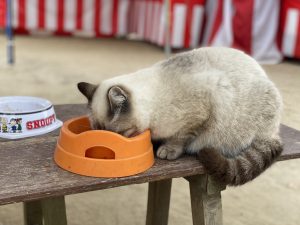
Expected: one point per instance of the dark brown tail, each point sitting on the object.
(244, 167)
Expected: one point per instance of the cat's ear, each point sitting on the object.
(117, 97)
(87, 89)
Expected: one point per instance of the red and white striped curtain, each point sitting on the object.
(148, 20)
(251, 26)
(89, 17)
(257, 27)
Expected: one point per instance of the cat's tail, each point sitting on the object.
(243, 168)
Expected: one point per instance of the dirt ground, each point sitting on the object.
(51, 67)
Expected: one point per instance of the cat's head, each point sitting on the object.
(112, 108)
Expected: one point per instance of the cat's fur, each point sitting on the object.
(217, 102)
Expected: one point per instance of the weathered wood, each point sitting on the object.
(54, 211)
(33, 214)
(159, 193)
(205, 200)
(51, 211)
(28, 171)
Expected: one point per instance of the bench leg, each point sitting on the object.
(50, 211)
(33, 214)
(205, 200)
(159, 193)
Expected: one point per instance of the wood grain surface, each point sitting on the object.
(28, 172)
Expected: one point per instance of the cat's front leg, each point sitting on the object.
(170, 150)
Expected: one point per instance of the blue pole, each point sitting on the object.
(9, 33)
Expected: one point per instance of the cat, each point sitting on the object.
(214, 101)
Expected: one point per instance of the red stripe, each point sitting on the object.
(192, 2)
(115, 17)
(130, 16)
(22, 16)
(171, 25)
(297, 48)
(147, 18)
(79, 14)
(157, 24)
(150, 20)
(154, 23)
(217, 22)
(2, 13)
(283, 14)
(242, 25)
(151, 24)
(41, 14)
(188, 24)
(202, 31)
(133, 28)
(136, 15)
(60, 16)
(97, 17)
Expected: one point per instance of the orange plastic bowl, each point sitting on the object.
(100, 153)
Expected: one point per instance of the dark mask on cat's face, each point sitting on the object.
(116, 116)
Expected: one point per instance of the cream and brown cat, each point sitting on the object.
(216, 102)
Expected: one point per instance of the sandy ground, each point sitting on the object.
(51, 67)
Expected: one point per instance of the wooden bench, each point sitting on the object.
(29, 174)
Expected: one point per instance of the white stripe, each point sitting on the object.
(178, 31)
(224, 35)
(88, 17)
(264, 31)
(155, 23)
(31, 21)
(161, 30)
(290, 32)
(135, 15)
(106, 16)
(227, 22)
(122, 16)
(51, 15)
(142, 17)
(69, 15)
(149, 20)
(15, 15)
(196, 26)
(211, 7)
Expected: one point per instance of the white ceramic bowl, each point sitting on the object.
(22, 116)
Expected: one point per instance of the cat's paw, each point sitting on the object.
(169, 152)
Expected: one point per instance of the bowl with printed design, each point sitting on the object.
(101, 153)
(24, 116)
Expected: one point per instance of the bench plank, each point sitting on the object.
(28, 171)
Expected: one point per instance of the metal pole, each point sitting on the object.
(167, 47)
(9, 33)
